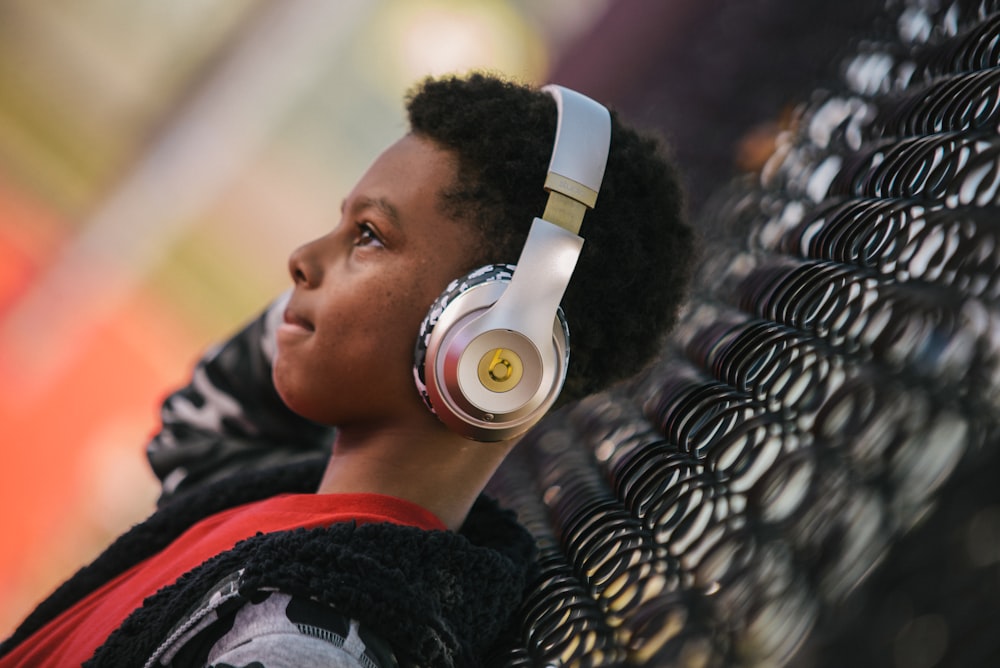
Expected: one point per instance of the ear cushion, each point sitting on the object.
(485, 274)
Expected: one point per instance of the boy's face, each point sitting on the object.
(345, 350)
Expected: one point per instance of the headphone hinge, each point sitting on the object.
(564, 211)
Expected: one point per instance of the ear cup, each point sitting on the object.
(462, 301)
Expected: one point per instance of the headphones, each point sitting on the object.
(493, 351)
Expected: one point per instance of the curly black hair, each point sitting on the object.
(638, 251)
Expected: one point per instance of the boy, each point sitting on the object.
(283, 542)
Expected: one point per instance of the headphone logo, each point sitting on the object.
(500, 370)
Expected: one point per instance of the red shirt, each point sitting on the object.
(72, 637)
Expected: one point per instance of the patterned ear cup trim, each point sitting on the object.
(485, 274)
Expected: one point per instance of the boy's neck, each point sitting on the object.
(440, 471)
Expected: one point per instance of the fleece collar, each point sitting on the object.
(442, 598)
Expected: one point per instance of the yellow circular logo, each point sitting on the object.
(500, 370)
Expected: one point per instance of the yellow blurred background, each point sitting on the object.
(158, 162)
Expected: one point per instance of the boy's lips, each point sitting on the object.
(294, 320)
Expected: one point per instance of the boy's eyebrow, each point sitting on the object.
(384, 206)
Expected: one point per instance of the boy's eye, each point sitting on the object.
(367, 236)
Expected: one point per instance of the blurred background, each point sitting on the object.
(159, 160)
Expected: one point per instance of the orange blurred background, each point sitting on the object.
(72, 473)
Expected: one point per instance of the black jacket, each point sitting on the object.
(440, 598)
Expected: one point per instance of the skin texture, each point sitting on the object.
(345, 350)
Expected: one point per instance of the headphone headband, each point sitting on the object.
(579, 157)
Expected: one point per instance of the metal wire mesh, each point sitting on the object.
(804, 476)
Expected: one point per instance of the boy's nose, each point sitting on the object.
(302, 267)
